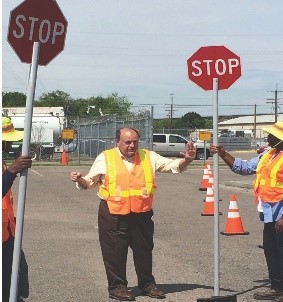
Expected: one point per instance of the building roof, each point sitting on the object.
(250, 119)
(16, 111)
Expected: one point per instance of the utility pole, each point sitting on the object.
(171, 110)
(255, 122)
(275, 102)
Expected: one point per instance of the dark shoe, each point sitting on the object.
(268, 294)
(153, 292)
(122, 294)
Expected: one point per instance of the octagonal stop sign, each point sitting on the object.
(214, 62)
(37, 21)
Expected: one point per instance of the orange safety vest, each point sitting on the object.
(268, 184)
(126, 191)
(8, 218)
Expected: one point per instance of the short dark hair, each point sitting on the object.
(118, 132)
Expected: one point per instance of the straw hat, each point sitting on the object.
(9, 134)
(276, 130)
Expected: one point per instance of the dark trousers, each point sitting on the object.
(273, 250)
(7, 261)
(116, 234)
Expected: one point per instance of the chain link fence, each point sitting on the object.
(94, 135)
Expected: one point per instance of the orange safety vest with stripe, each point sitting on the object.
(268, 184)
(126, 191)
(8, 218)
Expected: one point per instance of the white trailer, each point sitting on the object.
(47, 124)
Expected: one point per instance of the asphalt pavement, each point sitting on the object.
(60, 239)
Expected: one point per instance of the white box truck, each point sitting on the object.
(47, 124)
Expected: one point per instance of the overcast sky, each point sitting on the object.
(139, 49)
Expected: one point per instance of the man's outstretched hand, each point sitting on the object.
(190, 152)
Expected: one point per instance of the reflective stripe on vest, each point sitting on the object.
(147, 171)
(268, 184)
(8, 218)
(126, 191)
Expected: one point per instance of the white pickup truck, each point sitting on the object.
(172, 144)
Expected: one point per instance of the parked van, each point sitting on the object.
(172, 144)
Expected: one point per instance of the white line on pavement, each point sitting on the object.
(36, 172)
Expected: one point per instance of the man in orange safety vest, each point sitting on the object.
(125, 176)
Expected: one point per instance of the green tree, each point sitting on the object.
(208, 123)
(112, 104)
(190, 120)
(161, 124)
(193, 120)
(53, 99)
(78, 107)
(115, 104)
(13, 99)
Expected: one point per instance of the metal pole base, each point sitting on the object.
(220, 298)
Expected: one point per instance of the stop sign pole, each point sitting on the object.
(34, 25)
(216, 188)
(215, 68)
(23, 176)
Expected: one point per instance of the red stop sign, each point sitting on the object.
(37, 21)
(214, 62)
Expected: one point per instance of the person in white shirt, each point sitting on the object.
(125, 176)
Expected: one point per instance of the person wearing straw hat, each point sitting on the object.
(268, 193)
(9, 135)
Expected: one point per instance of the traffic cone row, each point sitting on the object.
(234, 224)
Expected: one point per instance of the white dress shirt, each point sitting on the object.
(159, 163)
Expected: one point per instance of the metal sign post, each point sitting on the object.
(23, 175)
(204, 146)
(216, 188)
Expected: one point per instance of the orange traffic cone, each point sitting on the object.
(64, 158)
(208, 206)
(208, 165)
(234, 224)
(210, 179)
(211, 183)
(205, 179)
